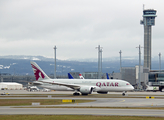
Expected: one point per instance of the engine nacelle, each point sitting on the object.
(86, 90)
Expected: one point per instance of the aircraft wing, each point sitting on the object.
(73, 86)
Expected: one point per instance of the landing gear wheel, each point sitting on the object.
(123, 94)
(76, 94)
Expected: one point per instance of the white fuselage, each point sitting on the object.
(101, 85)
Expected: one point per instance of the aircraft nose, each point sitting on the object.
(132, 87)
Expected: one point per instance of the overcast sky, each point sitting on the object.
(76, 27)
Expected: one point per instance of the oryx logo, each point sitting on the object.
(38, 74)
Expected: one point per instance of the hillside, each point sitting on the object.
(20, 65)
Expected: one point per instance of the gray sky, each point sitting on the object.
(76, 27)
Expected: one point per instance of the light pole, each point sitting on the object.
(55, 61)
(139, 66)
(120, 61)
(99, 59)
(159, 62)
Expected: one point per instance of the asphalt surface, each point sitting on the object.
(99, 102)
(81, 111)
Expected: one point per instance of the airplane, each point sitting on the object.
(70, 76)
(80, 76)
(83, 86)
(107, 76)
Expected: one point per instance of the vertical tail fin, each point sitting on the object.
(38, 72)
(107, 76)
(81, 77)
(70, 76)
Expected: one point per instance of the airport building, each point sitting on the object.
(131, 74)
(90, 75)
(148, 21)
(10, 86)
(156, 78)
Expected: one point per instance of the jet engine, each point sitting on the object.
(85, 90)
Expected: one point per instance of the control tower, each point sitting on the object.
(148, 20)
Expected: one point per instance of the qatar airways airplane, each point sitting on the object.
(83, 86)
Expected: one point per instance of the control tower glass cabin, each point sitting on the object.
(148, 20)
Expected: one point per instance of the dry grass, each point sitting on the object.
(74, 117)
(22, 102)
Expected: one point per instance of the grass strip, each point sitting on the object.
(75, 117)
(23, 102)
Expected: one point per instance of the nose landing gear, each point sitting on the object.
(123, 94)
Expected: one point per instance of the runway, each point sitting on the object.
(99, 102)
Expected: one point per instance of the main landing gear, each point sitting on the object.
(76, 94)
